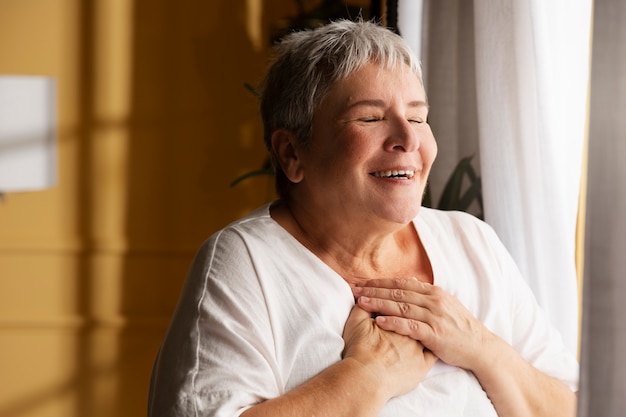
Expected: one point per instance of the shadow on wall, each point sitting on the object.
(191, 126)
(152, 179)
(194, 126)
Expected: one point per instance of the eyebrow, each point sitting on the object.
(382, 103)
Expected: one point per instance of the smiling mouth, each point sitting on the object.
(408, 174)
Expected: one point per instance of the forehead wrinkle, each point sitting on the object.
(383, 103)
(419, 104)
(367, 102)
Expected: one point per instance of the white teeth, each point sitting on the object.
(402, 173)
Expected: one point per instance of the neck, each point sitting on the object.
(358, 251)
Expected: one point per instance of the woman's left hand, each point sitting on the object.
(428, 314)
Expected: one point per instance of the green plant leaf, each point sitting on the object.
(474, 192)
(427, 197)
(450, 197)
(454, 197)
(253, 90)
(262, 171)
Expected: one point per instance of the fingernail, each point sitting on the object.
(364, 299)
(357, 290)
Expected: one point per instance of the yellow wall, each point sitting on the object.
(154, 123)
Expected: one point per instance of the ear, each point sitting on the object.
(288, 152)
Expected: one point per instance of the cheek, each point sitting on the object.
(429, 150)
(352, 148)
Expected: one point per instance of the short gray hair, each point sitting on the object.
(308, 63)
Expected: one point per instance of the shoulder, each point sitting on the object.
(224, 268)
(227, 254)
(256, 225)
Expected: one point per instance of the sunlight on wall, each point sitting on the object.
(153, 126)
(111, 107)
(254, 23)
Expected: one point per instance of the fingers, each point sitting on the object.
(399, 363)
(426, 313)
(357, 315)
(430, 358)
(415, 329)
(404, 306)
(410, 284)
(411, 301)
(355, 326)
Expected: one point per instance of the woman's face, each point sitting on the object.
(371, 147)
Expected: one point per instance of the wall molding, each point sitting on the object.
(73, 248)
(76, 322)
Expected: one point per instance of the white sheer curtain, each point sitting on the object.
(529, 63)
(532, 67)
(603, 363)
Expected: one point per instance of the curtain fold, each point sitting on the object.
(508, 81)
(532, 69)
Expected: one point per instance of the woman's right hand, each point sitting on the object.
(398, 363)
(377, 365)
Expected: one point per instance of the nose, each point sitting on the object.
(404, 136)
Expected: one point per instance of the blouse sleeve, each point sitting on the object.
(217, 358)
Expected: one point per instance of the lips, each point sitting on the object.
(401, 173)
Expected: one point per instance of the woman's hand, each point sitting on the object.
(377, 365)
(397, 362)
(426, 313)
(442, 324)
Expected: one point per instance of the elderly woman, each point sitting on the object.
(443, 325)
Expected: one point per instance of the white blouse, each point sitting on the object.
(260, 314)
